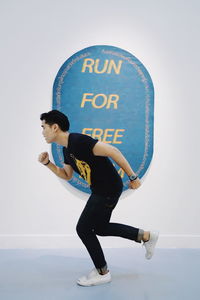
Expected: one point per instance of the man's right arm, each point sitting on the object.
(64, 173)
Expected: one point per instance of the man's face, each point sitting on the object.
(48, 132)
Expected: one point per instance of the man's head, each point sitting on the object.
(53, 122)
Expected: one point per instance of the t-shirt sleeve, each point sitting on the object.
(65, 158)
(87, 143)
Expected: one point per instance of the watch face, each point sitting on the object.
(132, 177)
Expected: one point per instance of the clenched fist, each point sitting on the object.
(135, 184)
(43, 158)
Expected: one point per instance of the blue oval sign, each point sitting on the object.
(107, 93)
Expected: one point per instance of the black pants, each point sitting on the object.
(95, 220)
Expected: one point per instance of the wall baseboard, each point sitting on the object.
(52, 241)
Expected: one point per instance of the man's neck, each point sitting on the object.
(62, 139)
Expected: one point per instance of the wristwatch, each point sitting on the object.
(133, 177)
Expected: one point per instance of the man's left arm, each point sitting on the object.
(102, 149)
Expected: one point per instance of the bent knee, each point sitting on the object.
(83, 230)
(79, 229)
(101, 231)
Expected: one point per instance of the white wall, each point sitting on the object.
(37, 36)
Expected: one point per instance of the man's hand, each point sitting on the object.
(135, 184)
(43, 158)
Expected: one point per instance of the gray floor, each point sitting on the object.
(51, 274)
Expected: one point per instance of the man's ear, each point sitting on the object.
(55, 127)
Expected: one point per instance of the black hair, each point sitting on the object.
(56, 117)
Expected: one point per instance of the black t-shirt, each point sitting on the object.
(98, 171)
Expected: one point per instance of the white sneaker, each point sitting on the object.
(150, 244)
(94, 278)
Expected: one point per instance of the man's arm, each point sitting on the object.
(64, 173)
(102, 149)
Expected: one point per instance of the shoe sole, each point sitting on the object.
(156, 239)
(93, 284)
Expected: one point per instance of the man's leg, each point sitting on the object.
(85, 229)
(104, 228)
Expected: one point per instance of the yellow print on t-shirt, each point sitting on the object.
(84, 169)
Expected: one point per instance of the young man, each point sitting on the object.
(90, 158)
